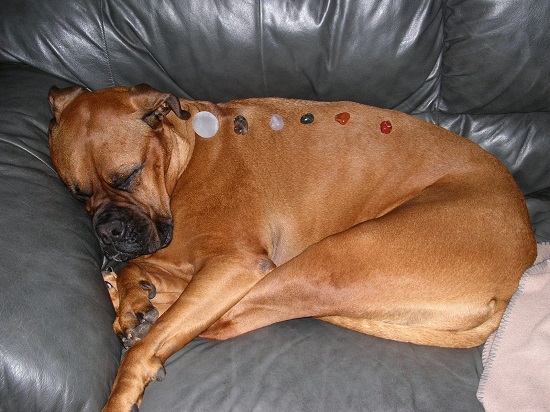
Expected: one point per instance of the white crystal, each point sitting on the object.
(205, 124)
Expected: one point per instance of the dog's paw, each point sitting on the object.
(136, 314)
(145, 320)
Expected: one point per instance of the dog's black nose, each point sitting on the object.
(124, 234)
(110, 229)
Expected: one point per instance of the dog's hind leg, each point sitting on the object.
(448, 260)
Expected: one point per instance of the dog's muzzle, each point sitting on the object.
(125, 234)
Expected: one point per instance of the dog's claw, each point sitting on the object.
(150, 287)
(135, 408)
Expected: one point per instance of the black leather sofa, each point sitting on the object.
(477, 67)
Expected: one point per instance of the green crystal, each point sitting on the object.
(307, 118)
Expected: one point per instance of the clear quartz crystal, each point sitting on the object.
(276, 122)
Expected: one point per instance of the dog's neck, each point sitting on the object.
(182, 145)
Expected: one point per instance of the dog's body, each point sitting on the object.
(378, 222)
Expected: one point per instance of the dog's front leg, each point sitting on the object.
(213, 290)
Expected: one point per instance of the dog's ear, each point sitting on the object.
(157, 105)
(60, 98)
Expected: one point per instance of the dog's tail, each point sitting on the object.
(421, 335)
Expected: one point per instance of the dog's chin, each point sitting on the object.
(119, 256)
(124, 253)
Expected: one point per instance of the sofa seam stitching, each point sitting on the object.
(442, 49)
(105, 44)
(262, 52)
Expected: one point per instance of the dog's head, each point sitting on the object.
(119, 151)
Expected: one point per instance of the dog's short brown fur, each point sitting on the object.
(409, 233)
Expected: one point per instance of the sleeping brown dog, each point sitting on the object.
(363, 217)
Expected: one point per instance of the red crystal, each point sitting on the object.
(385, 127)
(342, 118)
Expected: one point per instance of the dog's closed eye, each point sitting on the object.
(124, 181)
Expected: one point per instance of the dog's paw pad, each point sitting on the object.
(130, 338)
(146, 320)
(127, 339)
(148, 317)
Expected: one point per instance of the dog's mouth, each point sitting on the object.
(124, 234)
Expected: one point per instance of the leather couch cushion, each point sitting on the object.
(496, 57)
(310, 366)
(57, 348)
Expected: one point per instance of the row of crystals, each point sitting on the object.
(206, 125)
